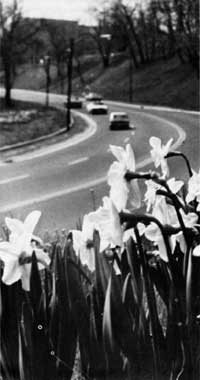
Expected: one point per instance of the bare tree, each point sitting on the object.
(16, 36)
(101, 34)
(181, 20)
(59, 43)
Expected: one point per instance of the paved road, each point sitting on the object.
(58, 182)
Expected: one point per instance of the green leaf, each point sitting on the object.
(189, 288)
(107, 320)
(21, 358)
(62, 326)
(36, 290)
(125, 288)
(102, 272)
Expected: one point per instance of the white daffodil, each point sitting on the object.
(17, 252)
(158, 153)
(83, 243)
(152, 187)
(107, 222)
(194, 189)
(154, 234)
(130, 233)
(166, 214)
(150, 195)
(120, 188)
(17, 227)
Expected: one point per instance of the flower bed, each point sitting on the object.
(28, 121)
(122, 292)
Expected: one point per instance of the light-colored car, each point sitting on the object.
(92, 97)
(119, 120)
(97, 107)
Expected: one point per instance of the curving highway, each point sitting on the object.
(58, 180)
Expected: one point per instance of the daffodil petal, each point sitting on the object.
(87, 258)
(87, 228)
(196, 251)
(130, 158)
(152, 232)
(14, 225)
(26, 274)
(119, 195)
(12, 271)
(155, 142)
(43, 258)
(162, 250)
(174, 185)
(167, 146)
(118, 152)
(31, 221)
(116, 173)
(7, 249)
(134, 194)
(78, 240)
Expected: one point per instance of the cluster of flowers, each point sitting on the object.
(17, 116)
(122, 179)
(124, 190)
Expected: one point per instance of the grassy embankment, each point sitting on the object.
(166, 83)
(41, 122)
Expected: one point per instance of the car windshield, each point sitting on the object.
(119, 117)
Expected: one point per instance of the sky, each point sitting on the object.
(78, 10)
(59, 9)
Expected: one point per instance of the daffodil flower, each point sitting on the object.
(17, 227)
(158, 153)
(150, 195)
(194, 189)
(83, 243)
(16, 253)
(120, 188)
(152, 187)
(166, 214)
(107, 222)
(130, 233)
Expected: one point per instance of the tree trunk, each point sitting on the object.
(136, 38)
(8, 86)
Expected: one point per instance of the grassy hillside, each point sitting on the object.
(167, 83)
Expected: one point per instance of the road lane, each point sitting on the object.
(54, 181)
(52, 173)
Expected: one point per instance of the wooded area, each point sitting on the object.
(160, 30)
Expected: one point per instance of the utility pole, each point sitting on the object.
(48, 78)
(46, 62)
(130, 79)
(69, 81)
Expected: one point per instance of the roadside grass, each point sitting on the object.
(41, 123)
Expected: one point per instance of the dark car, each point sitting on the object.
(75, 102)
(119, 120)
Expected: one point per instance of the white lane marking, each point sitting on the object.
(13, 179)
(92, 183)
(51, 149)
(64, 192)
(82, 159)
(151, 107)
(181, 133)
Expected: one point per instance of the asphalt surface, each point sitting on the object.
(58, 181)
